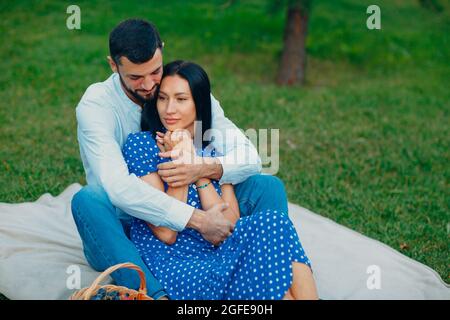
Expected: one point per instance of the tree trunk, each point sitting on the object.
(293, 61)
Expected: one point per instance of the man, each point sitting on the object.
(106, 114)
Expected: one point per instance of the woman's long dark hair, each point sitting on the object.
(201, 92)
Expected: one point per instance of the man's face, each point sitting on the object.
(140, 81)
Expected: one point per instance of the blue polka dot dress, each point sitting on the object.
(254, 263)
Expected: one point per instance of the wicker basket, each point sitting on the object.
(124, 293)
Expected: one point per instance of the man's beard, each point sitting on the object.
(138, 97)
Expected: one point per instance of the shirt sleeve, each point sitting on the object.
(96, 126)
(239, 157)
(141, 154)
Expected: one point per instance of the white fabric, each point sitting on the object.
(344, 261)
(39, 242)
(106, 116)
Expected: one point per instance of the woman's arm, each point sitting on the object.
(164, 234)
(209, 197)
(229, 197)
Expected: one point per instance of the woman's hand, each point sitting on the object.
(164, 141)
(179, 140)
(186, 166)
(167, 141)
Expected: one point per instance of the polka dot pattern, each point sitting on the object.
(254, 263)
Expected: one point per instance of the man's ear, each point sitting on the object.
(112, 64)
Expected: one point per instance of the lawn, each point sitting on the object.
(365, 142)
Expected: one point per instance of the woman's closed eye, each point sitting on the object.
(161, 98)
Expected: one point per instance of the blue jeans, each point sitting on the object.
(105, 235)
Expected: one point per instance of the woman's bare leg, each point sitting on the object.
(303, 284)
(288, 295)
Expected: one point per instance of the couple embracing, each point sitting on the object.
(198, 220)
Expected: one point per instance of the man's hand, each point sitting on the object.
(178, 174)
(212, 224)
(186, 166)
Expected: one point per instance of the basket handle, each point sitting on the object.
(107, 272)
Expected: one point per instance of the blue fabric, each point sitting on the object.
(255, 262)
(105, 240)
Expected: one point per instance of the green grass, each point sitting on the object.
(365, 142)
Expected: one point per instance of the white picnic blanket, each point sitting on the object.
(41, 256)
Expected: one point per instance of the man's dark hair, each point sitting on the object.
(135, 39)
(201, 93)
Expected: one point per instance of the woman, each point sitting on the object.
(261, 259)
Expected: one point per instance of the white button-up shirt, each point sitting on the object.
(106, 116)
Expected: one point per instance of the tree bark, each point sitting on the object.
(293, 61)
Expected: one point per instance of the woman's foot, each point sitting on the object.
(288, 295)
(303, 287)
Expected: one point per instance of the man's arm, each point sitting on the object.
(211, 169)
(240, 158)
(100, 149)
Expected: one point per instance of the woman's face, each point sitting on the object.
(176, 105)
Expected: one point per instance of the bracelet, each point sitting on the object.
(204, 186)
